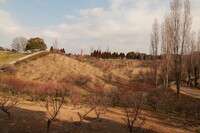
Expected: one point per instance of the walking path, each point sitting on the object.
(13, 62)
(190, 91)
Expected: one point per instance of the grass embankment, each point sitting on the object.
(9, 57)
(31, 58)
(123, 68)
(83, 75)
(59, 68)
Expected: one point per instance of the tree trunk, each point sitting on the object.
(198, 74)
(5, 111)
(178, 89)
(189, 79)
(166, 81)
(48, 125)
(130, 129)
(156, 76)
(195, 77)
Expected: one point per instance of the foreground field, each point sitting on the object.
(31, 117)
(9, 57)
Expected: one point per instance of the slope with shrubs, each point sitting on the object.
(58, 68)
(125, 69)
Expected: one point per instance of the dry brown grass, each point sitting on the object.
(126, 68)
(61, 69)
(55, 67)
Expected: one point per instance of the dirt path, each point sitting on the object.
(13, 62)
(190, 91)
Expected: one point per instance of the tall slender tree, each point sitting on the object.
(180, 26)
(154, 50)
(165, 51)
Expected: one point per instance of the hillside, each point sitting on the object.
(58, 68)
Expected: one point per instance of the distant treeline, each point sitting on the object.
(137, 55)
(115, 55)
(56, 50)
(107, 55)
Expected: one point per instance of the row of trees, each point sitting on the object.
(21, 44)
(115, 55)
(180, 47)
(107, 55)
(140, 56)
(55, 48)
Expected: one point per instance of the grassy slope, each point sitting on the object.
(55, 67)
(121, 68)
(61, 69)
(9, 57)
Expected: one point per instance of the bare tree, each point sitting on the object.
(190, 51)
(54, 103)
(153, 98)
(180, 25)
(100, 101)
(195, 59)
(108, 49)
(165, 51)
(55, 45)
(53, 98)
(92, 50)
(198, 54)
(132, 107)
(87, 111)
(154, 50)
(99, 48)
(8, 101)
(19, 44)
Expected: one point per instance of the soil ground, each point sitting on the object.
(29, 117)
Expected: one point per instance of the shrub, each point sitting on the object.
(100, 101)
(8, 68)
(132, 104)
(8, 101)
(153, 98)
(75, 98)
(114, 95)
(81, 80)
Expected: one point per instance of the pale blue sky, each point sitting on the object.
(123, 25)
(47, 12)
